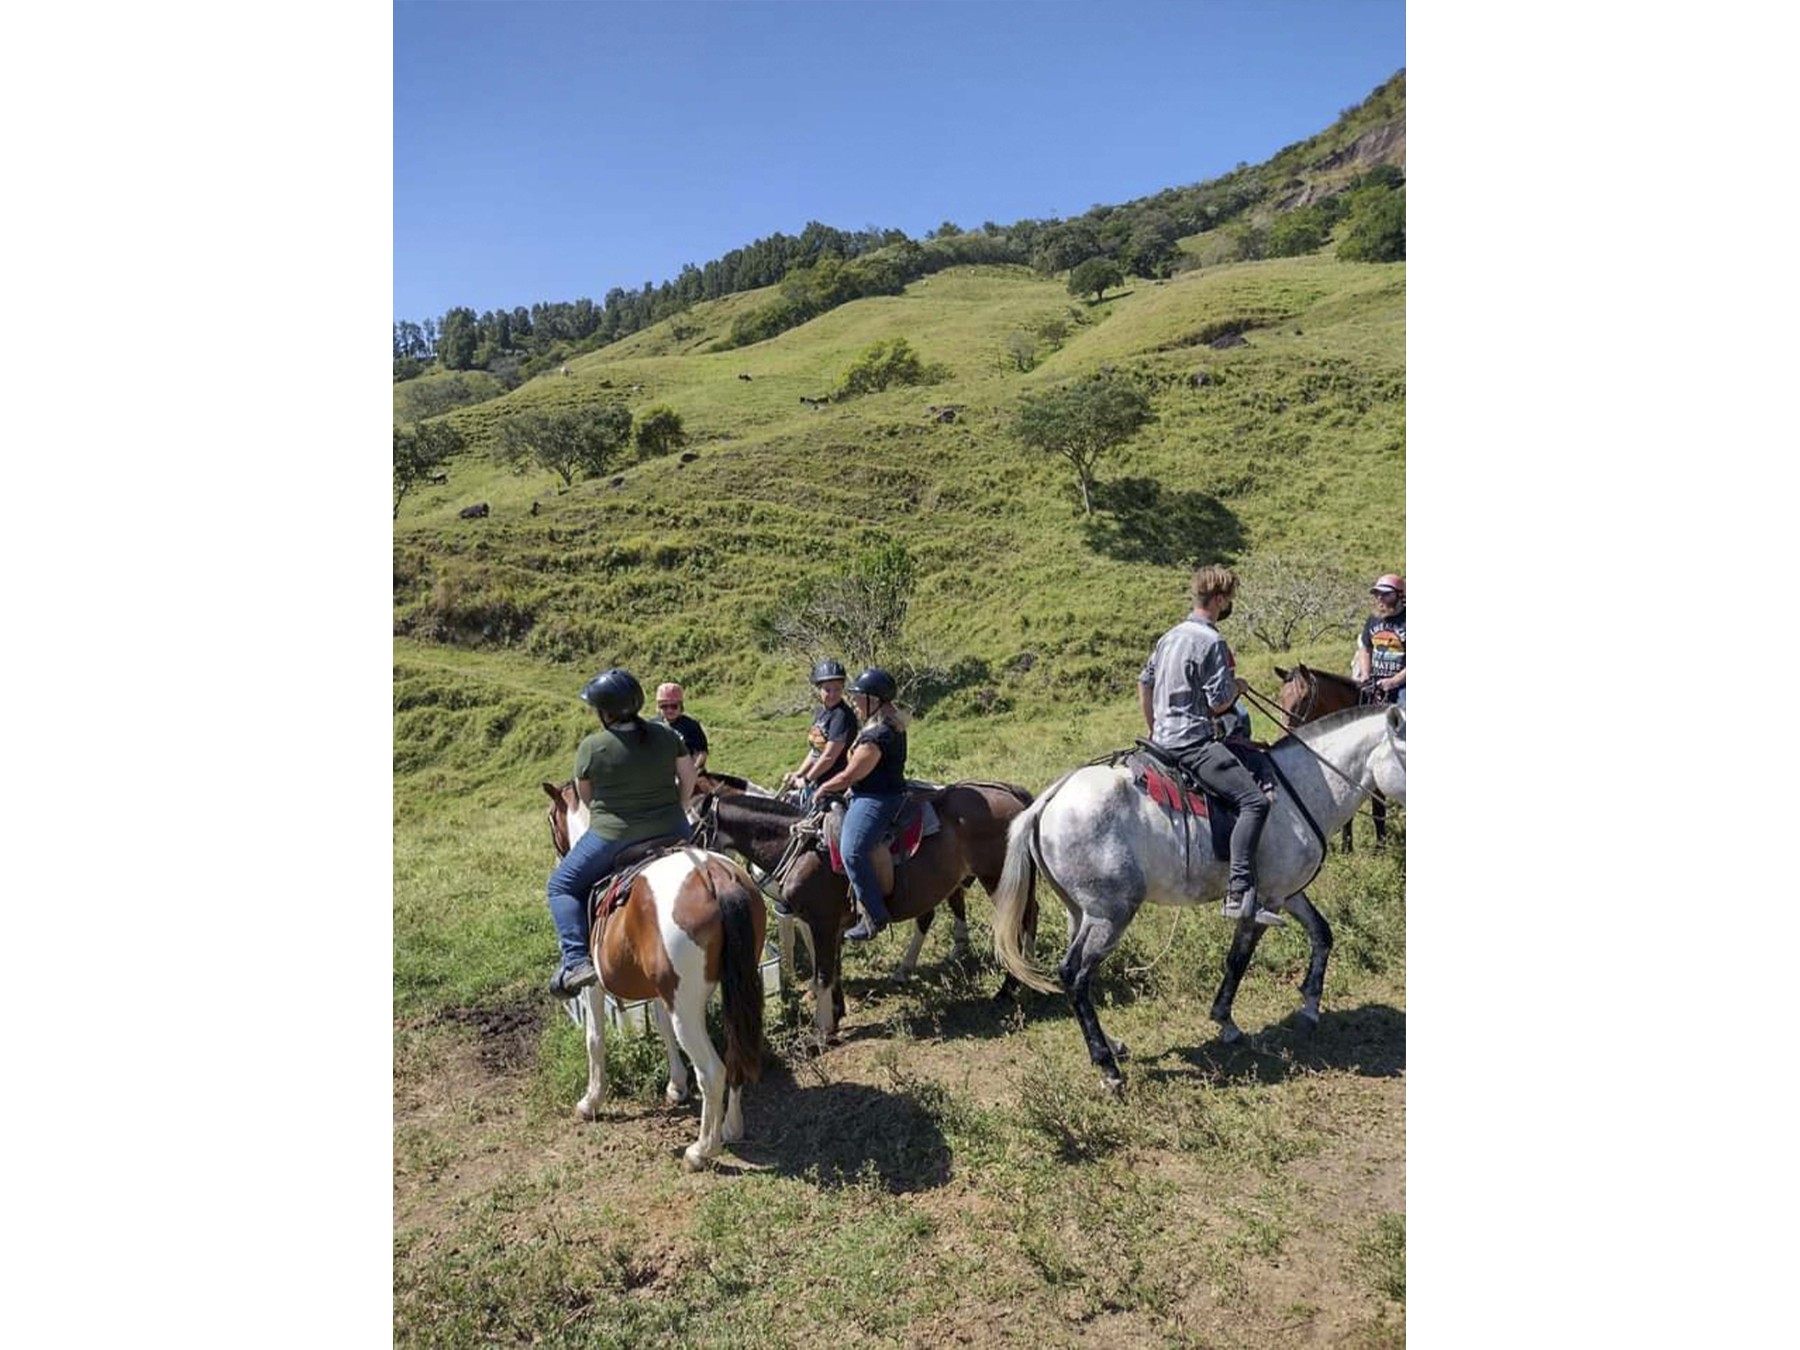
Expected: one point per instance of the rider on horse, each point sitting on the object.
(834, 726)
(635, 778)
(671, 703)
(1189, 680)
(1380, 664)
(877, 773)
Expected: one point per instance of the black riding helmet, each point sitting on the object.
(828, 670)
(876, 683)
(614, 693)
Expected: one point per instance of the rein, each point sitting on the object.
(1278, 713)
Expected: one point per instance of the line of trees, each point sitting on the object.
(822, 267)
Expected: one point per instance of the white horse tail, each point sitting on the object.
(1018, 882)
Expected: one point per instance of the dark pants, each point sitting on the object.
(575, 876)
(1216, 767)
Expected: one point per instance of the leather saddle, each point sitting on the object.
(918, 821)
(1156, 773)
(612, 890)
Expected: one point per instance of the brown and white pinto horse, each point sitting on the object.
(1306, 696)
(693, 921)
(971, 842)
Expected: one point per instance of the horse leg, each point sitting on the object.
(1378, 813)
(677, 1090)
(1237, 961)
(828, 996)
(594, 998)
(959, 933)
(784, 925)
(689, 1015)
(1347, 833)
(1318, 933)
(1093, 940)
(909, 960)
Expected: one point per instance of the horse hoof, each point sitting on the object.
(586, 1113)
(1229, 1033)
(674, 1096)
(1114, 1085)
(733, 1136)
(1119, 1048)
(693, 1160)
(1307, 1020)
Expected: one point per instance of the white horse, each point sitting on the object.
(692, 922)
(1106, 848)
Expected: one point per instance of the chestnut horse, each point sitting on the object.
(1306, 696)
(971, 841)
(692, 921)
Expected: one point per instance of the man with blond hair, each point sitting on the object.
(1189, 681)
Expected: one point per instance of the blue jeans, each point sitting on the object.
(865, 820)
(590, 859)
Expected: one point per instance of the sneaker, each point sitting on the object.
(1235, 905)
(571, 980)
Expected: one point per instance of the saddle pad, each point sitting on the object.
(612, 890)
(912, 829)
(1149, 777)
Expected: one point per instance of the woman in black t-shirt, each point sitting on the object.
(833, 728)
(876, 774)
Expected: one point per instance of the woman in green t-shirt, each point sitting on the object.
(635, 777)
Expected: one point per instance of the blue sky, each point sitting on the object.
(549, 151)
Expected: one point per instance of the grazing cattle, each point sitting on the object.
(534, 508)
(438, 479)
(689, 456)
(742, 376)
(475, 512)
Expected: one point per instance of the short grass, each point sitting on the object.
(951, 1171)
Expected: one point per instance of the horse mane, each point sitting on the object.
(1331, 676)
(1332, 721)
(765, 806)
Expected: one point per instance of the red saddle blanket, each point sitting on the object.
(1166, 792)
(909, 832)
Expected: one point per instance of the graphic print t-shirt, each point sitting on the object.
(832, 724)
(1384, 639)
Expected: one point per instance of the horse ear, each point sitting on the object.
(1396, 717)
(1281, 674)
(554, 792)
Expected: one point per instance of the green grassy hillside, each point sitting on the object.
(1294, 444)
(952, 1157)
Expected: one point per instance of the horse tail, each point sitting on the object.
(740, 977)
(1018, 885)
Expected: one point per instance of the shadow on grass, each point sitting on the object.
(1138, 520)
(841, 1134)
(1369, 1041)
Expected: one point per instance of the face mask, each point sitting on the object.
(1225, 613)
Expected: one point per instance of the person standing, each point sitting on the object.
(671, 704)
(1190, 680)
(875, 775)
(1380, 664)
(834, 727)
(635, 777)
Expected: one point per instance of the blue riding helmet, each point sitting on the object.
(828, 670)
(876, 683)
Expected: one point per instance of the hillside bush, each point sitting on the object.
(882, 365)
(659, 431)
(582, 442)
(1083, 423)
(1377, 228)
(1094, 276)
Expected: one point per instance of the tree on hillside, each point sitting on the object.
(1282, 598)
(857, 616)
(419, 453)
(881, 365)
(1083, 422)
(659, 431)
(566, 443)
(1377, 228)
(458, 340)
(1095, 275)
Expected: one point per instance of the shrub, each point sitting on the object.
(881, 365)
(1377, 229)
(659, 431)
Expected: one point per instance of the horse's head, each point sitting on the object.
(1387, 766)
(1297, 690)
(568, 817)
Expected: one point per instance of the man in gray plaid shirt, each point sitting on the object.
(1189, 680)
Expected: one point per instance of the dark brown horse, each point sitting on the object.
(691, 922)
(1306, 696)
(971, 842)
